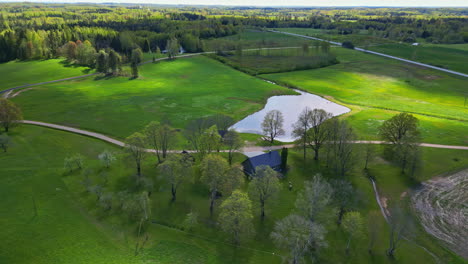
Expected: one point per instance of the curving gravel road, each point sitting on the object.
(246, 149)
(376, 53)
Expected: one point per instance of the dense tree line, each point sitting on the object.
(38, 31)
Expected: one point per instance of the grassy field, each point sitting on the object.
(179, 91)
(372, 82)
(276, 60)
(358, 39)
(252, 38)
(61, 232)
(16, 73)
(450, 56)
(441, 56)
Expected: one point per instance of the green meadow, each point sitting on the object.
(368, 81)
(179, 91)
(444, 56)
(16, 73)
(42, 222)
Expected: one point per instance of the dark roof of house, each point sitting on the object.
(271, 159)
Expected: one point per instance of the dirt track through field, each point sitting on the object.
(246, 149)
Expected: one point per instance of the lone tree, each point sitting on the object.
(314, 199)
(272, 125)
(10, 114)
(299, 236)
(301, 127)
(264, 186)
(353, 224)
(176, 170)
(399, 127)
(403, 133)
(219, 177)
(135, 146)
(160, 137)
(135, 60)
(318, 132)
(233, 142)
(236, 216)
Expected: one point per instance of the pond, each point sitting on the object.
(290, 106)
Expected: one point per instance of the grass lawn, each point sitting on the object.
(366, 121)
(16, 73)
(438, 55)
(178, 91)
(61, 232)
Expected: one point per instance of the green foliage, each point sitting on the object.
(102, 65)
(191, 221)
(5, 142)
(314, 200)
(107, 158)
(264, 186)
(219, 177)
(354, 225)
(10, 114)
(176, 170)
(298, 236)
(135, 147)
(236, 216)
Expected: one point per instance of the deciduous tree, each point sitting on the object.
(314, 199)
(219, 177)
(176, 169)
(272, 125)
(10, 114)
(236, 216)
(233, 142)
(160, 137)
(299, 236)
(264, 186)
(353, 224)
(318, 132)
(135, 147)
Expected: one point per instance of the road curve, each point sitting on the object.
(377, 53)
(246, 149)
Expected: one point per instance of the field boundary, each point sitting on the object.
(375, 53)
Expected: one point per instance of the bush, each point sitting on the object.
(347, 44)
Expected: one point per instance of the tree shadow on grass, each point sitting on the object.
(68, 64)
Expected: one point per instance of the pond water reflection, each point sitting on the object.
(290, 106)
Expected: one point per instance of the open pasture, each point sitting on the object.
(178, 91)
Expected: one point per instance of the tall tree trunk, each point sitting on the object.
(173, 191)
(212, 200)
(262, 203)
(316, 150)
(340, 215)
(347, 245)
(139, 170)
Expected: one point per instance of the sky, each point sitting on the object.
(403, 3)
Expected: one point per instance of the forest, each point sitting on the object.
(38, 31)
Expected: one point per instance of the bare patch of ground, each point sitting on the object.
(442, 206)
